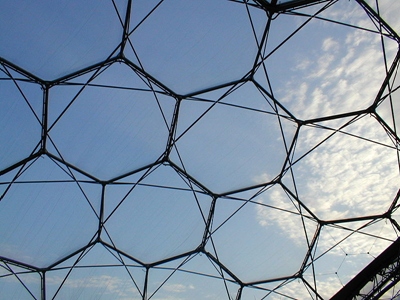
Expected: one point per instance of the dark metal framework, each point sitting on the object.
(383, 272)
(383, 278)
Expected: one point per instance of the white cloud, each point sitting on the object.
(105, 284)
(330, 44)
(345, 176)
(282, 213)
(344, 75)
(177, 288)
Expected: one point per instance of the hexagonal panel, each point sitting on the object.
(45, 216)
(352, 171)
(214, 146)
(334, 70)
(85, 132)
(68, 37)
(177, 50)
(20, 117)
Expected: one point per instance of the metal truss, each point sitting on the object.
(379, 277)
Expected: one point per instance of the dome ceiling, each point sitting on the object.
(196, 149)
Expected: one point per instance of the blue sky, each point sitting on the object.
(149, 144)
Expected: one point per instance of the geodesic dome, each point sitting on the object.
(205, 149)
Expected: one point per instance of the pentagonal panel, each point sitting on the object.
(166, 215)
(109, 130)
(269, 227)
(194, 277)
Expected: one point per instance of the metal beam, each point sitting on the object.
(274, 7)
(382, 272)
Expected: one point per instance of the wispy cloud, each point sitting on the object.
(345, 176)
(104, 284)
(178, 288)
